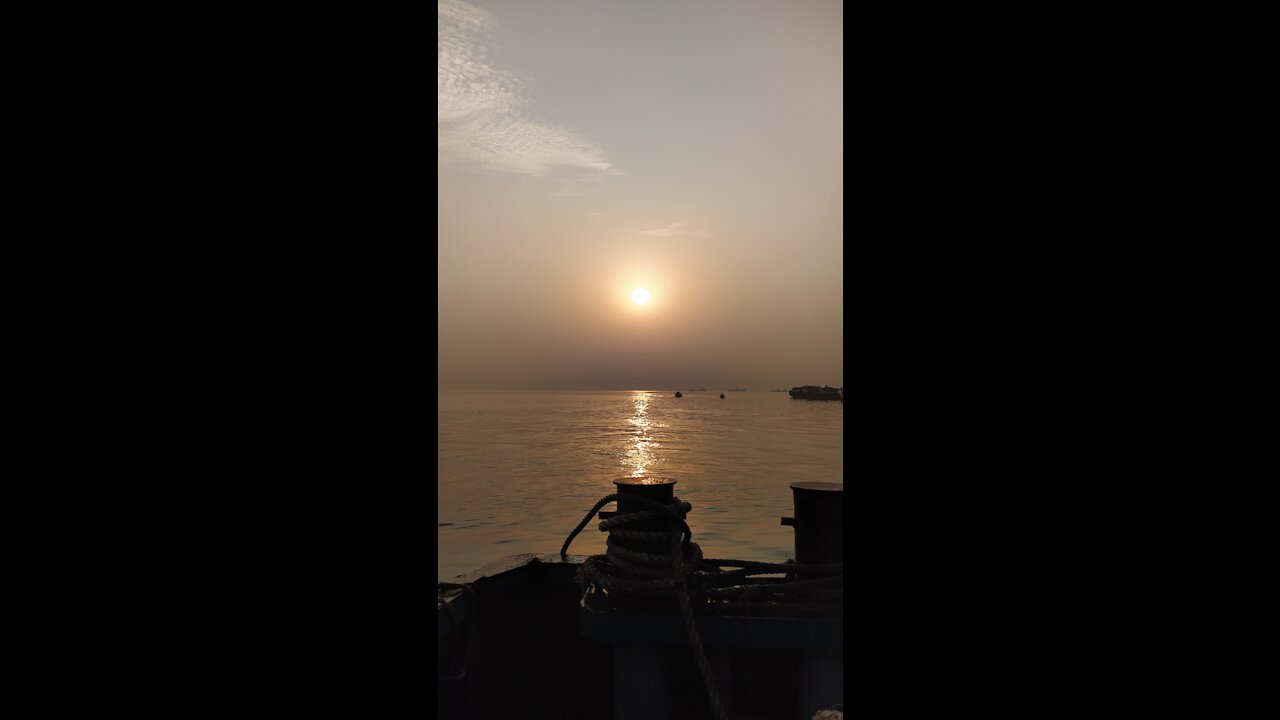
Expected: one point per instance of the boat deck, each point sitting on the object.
(515, 647)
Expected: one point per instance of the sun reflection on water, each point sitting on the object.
(639, 456)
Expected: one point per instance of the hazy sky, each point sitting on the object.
(691, 148)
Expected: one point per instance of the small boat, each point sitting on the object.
(678, 394)
(813, 392)
(739, 389)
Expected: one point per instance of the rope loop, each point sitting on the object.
(632, 570)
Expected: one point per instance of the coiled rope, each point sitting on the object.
(625, 572)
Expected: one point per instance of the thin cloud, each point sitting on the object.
(675, 230)
(482, 113)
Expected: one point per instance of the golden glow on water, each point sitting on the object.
(517, 470)
(641, 445)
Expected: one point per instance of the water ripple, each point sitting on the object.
(529, 465)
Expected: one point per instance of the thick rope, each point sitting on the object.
(564, 549)
(649, 574)
(695, 640)
(718, 586)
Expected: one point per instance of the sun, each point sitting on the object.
(639, 296)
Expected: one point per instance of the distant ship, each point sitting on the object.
(678, 394)
(737, 389)
(813, 392)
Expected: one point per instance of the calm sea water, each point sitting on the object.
(519, 470)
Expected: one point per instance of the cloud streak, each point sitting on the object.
(483, 113)
(675, 230)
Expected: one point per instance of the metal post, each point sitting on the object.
(641, 682)
(819, 527)
(721, 659)
(821, 682)
(659, 490)
(819, 522)
(642, 672)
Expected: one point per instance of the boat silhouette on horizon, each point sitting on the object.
(814, 392)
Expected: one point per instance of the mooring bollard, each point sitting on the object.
(819, 522)
(642, 671)
(819, 527)
(659, 490)
(641, 682)
(644, 630)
